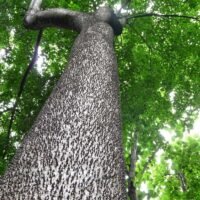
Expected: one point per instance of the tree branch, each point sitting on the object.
(183, 181)
(150, 158)
(55, 17)
(22, 84)
(159, 15)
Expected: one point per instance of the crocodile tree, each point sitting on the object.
(74, 148)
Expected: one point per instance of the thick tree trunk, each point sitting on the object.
(74, 150)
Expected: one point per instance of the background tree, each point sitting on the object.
(158, 65)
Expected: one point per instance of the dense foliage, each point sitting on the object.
(158, 60)
(177, 174)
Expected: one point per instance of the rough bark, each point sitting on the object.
(74, 150)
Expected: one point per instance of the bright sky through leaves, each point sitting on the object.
(159, 70)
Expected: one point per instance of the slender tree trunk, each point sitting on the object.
(132, 193)
(74, 150)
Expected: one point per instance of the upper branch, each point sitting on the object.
(56, 17)
(159, 15)
(64, 18)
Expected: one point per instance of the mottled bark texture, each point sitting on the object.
(74, 150)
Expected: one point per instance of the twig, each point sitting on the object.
(150, 158)
(142, 38)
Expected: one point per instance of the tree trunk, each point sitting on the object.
(132, 193)
(74, 150)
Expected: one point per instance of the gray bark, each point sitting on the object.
(74, 149)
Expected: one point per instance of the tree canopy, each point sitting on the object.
(158, 58)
